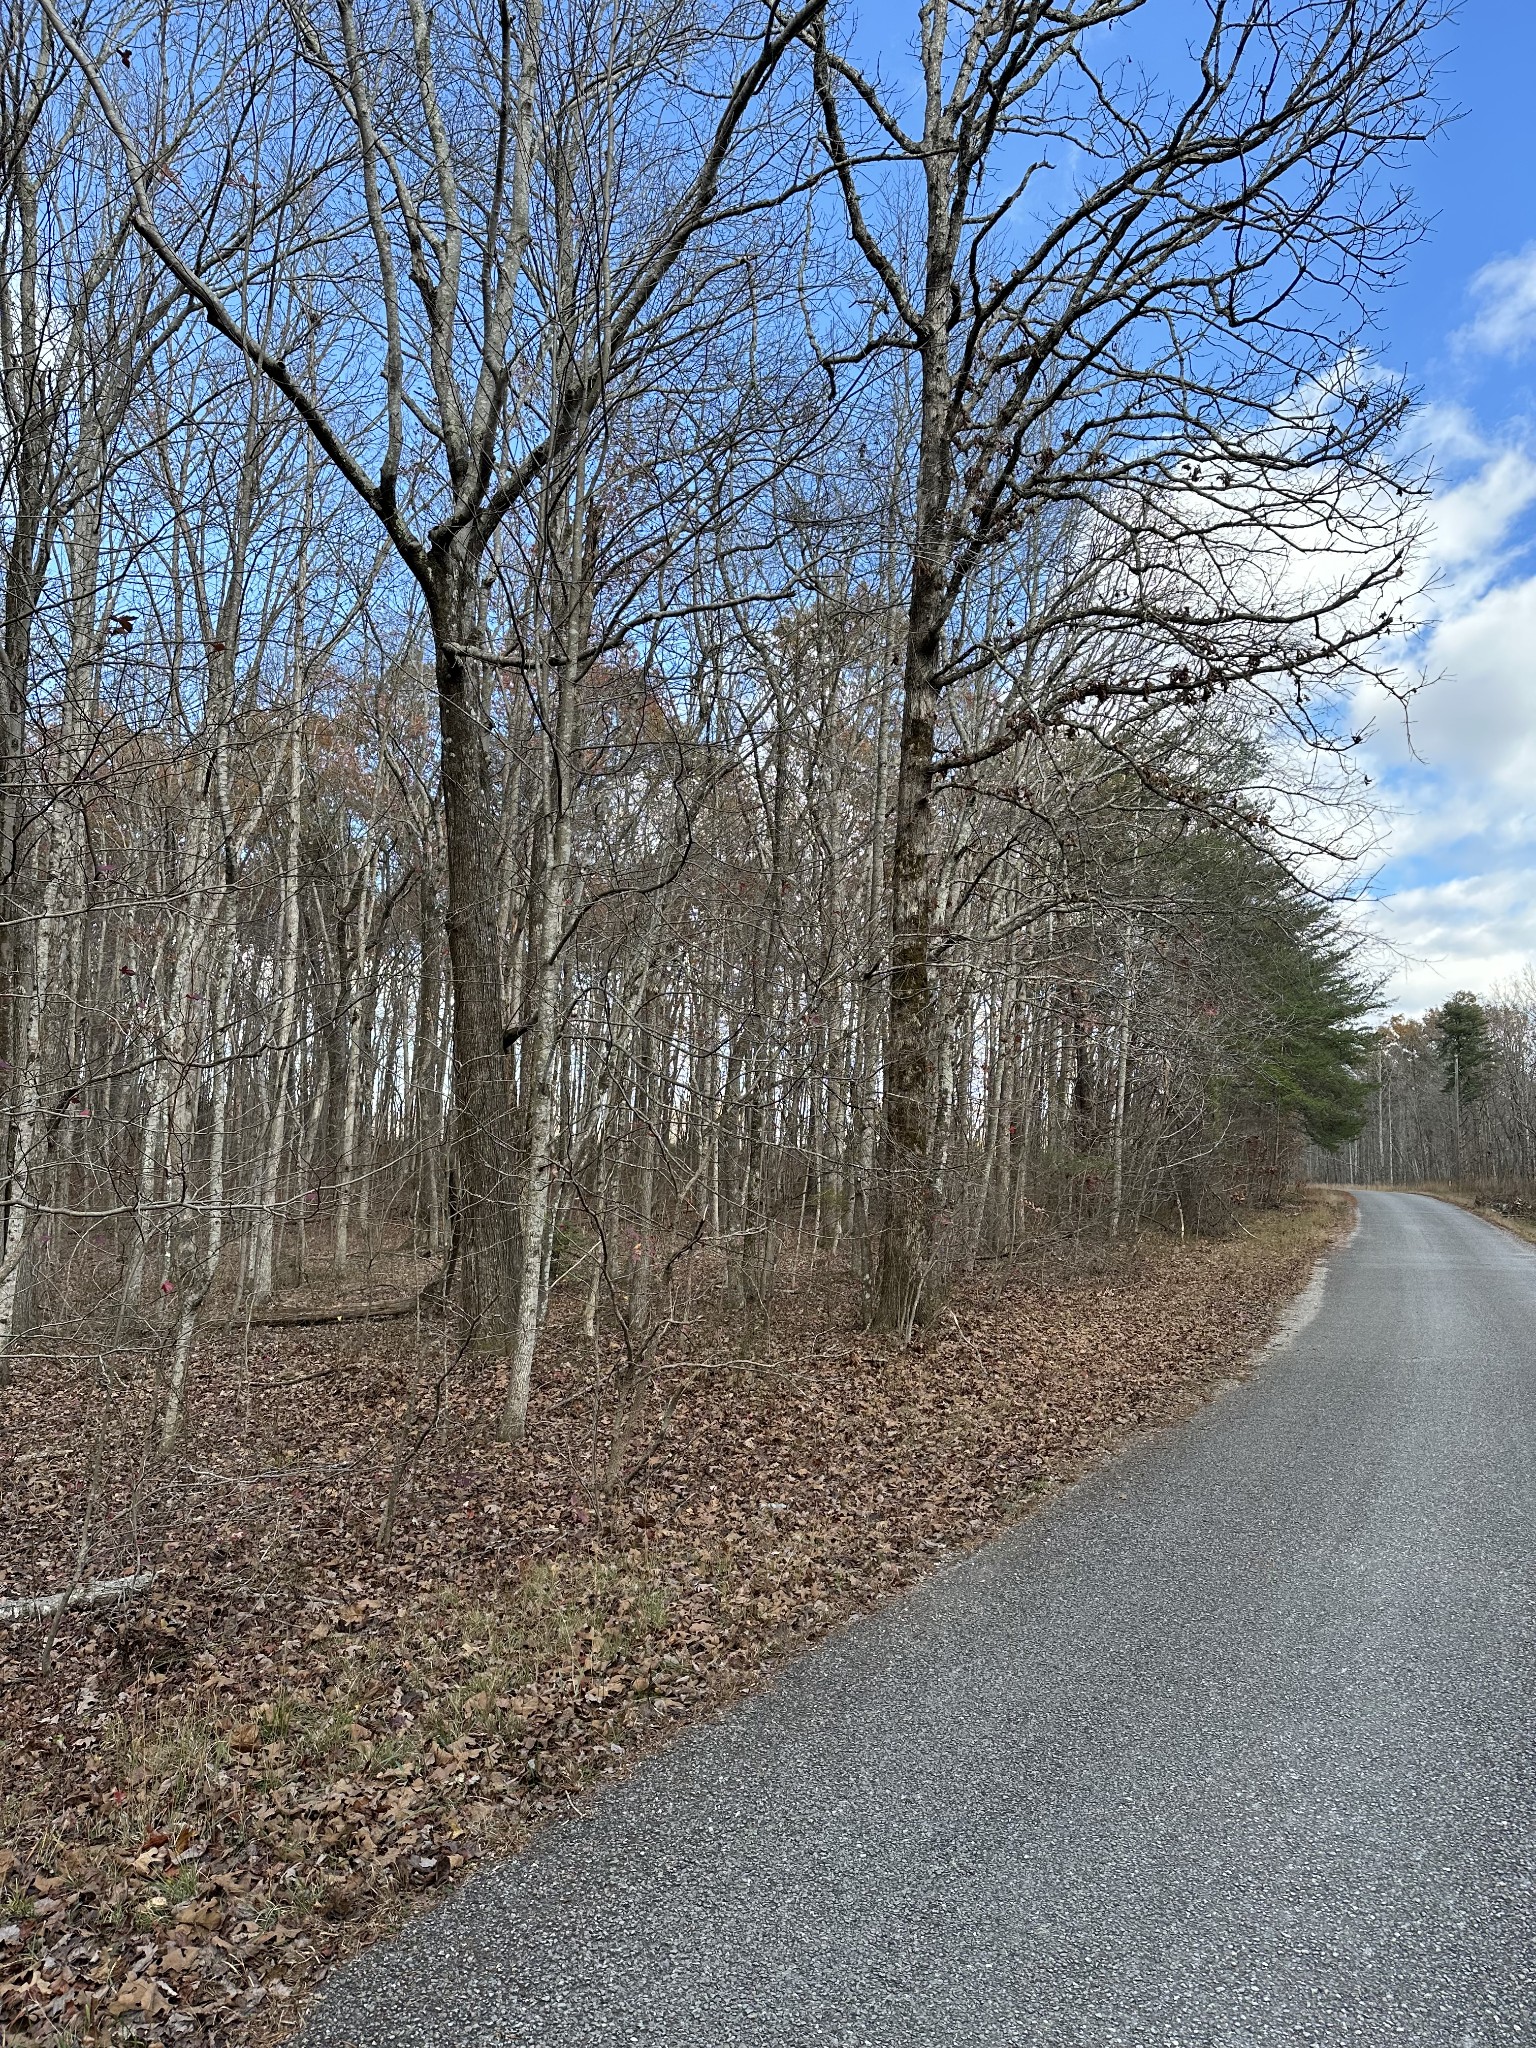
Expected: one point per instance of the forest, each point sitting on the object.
(1452, 1101)
(629, 650)
(678, 693)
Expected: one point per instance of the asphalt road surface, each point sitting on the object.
(1232, 1745)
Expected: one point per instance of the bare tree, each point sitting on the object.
(1164, 336)
(427, 126)
(633, 681)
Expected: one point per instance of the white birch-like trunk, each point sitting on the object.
(197, 1281)
(270, 1168)
(1122, 1070)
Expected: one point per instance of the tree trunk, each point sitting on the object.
(575, 536)
(482, 1132)
(907, 1281)
(269, 1171)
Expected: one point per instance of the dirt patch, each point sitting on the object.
(380, 1646)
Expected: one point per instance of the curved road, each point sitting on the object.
(1230, 1748)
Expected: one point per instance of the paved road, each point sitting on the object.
(1231, 1748)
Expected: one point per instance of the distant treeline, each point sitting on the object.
(1454, 1097)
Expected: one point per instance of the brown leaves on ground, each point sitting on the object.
(211, 1794)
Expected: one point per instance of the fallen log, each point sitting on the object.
(430, 1299)
(91, 1593)
(349, 1312)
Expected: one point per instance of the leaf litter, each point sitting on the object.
(211, 1794)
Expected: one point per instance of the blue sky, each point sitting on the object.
(1452, 903)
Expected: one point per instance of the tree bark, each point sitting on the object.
(908, 1283)
(482, 1123)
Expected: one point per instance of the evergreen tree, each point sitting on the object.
(1306, 1053)
(1295, 1048)
(1463, 1045)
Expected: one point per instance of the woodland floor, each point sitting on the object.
(210, 1795)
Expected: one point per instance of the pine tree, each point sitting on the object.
(1462, 1045)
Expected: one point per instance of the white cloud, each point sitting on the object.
(1473, 519)
(1466, 762)
(1456, 903)
(1470, 931)
(1504, 293)
(1474, 728)
(1449, 432)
